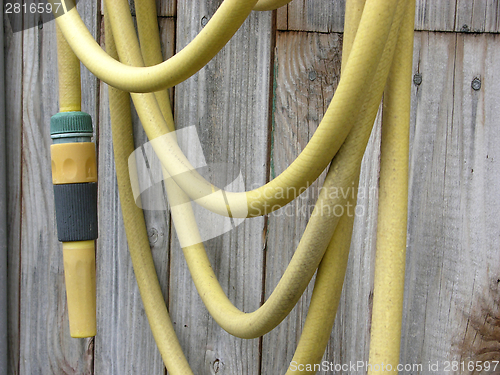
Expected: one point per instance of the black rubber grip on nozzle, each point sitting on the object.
(76, 211)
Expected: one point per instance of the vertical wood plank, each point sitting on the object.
(13, 54)
(228, 102)
(45, 344)
(125, 344)
(429, 214)
(166, 8)
(478, 16)
(307, 72)
(451, 302)
(316, 15)
(436, 15)
(477, 294)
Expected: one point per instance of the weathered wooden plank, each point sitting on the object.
(125, 344)
(478, 16)
(432, 15)
(476, 112)
(228, 102)
(166, 8)
(282, 18)
(45, 344)
(434, 60)
(316, 15)
(452, 278)
(13, 53)
(438, 15)
(307, 69)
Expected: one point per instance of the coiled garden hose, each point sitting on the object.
(372, 38)
(344, 170)
(336, 124)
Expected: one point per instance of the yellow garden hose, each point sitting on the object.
(330, 277)
(149, 37)
(308, 254)
(372, 38)
(70, 93)
(221, 27)
(343, 172)
(393, 205)
(135, 228)
(335, 126)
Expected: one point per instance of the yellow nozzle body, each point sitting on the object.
(79, 274)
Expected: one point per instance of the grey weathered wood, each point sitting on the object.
(316, 15)
(452, 292)
(13, 54)
(307, 69)
(228, 102)
(478, 16)
(43, 349)
(125, 344)
(427, 281)
(438, 15)
(432, 15)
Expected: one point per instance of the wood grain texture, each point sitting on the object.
(451, 301)
(43, 349)
(436, 15)
(125, 344)
(307, 67)
(478, 16)
(13, 53)
(316, 15)
(228, 102)
(431, 15)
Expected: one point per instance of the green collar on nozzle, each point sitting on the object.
(71, 127)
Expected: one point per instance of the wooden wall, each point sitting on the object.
(256, 105)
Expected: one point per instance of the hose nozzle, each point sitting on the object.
(79, 274)
(74, 176)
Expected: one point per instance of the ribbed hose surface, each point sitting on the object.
(68, 66)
